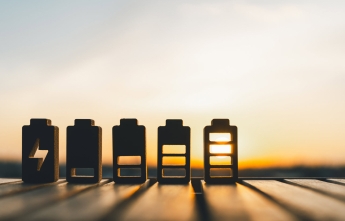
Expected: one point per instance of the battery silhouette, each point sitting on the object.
(40, 135)
(173, 133)
(129, 143)
(84, 151)
(220, 152)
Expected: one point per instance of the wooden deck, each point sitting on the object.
(248, 199)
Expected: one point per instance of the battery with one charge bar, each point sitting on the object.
(84, 151)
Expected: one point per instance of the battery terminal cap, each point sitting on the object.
(174, 123)
(40, 122)
(84, 122)
(128, 122)
(220, 122)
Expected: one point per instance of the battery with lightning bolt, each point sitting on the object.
(40, 152)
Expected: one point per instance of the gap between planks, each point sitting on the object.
(20, 205)
(89, 205)
(306, 203)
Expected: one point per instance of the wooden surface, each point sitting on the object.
(248, 199)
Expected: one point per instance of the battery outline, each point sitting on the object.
(173, 133)
(40, 135)
(129, 139)
(84, 150)
(221, 126)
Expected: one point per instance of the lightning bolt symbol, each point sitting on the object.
(38, 154)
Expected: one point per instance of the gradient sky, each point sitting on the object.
(276, 69)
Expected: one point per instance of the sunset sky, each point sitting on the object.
(276, 69)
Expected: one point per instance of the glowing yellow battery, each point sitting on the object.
(220, 152)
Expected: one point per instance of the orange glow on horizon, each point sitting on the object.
(174, 161)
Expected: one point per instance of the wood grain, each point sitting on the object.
(238, 202)
(335, 190)
(161, 202)
(9, 180)
(15, 187)
(20, 205)
(340, 181)
(305, 203)
(92, 204)
(288, 199)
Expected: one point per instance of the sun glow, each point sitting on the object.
(220, 148)
(220, 160)
(220, 137)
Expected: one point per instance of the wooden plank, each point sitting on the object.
(93, 204)
(340, 181)
(335, 190)
(19, 205)
(307, 204)
(18, 187)
(8, 180)
(238, 202)
(160, 202)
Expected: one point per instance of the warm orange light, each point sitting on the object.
(221, 160)
(220, 137)
(174, 149)
(129, 160)
(220, 148)
(174, 161)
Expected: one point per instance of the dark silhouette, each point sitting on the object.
(174, 133)
(221, 126)
(129, 139)
(40, 135)
(84, 150)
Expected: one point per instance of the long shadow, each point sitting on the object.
(290, 210)
(9, 189)
(120, 208)
(325, 193)
(201, 205)
(334, 181)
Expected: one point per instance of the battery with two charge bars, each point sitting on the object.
(129, 152)
(84, 151)
(220, 152)
(170, 135)
(40, 135)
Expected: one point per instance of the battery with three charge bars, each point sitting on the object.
(40, 135)
(129, 152)
(220, 152)
(171, 138)
(84, 152)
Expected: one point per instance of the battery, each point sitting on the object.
(220, 152)
(40, 135)
(173, 153)
(84, 152)
(129, 152)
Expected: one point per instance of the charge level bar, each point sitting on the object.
(173, 134)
